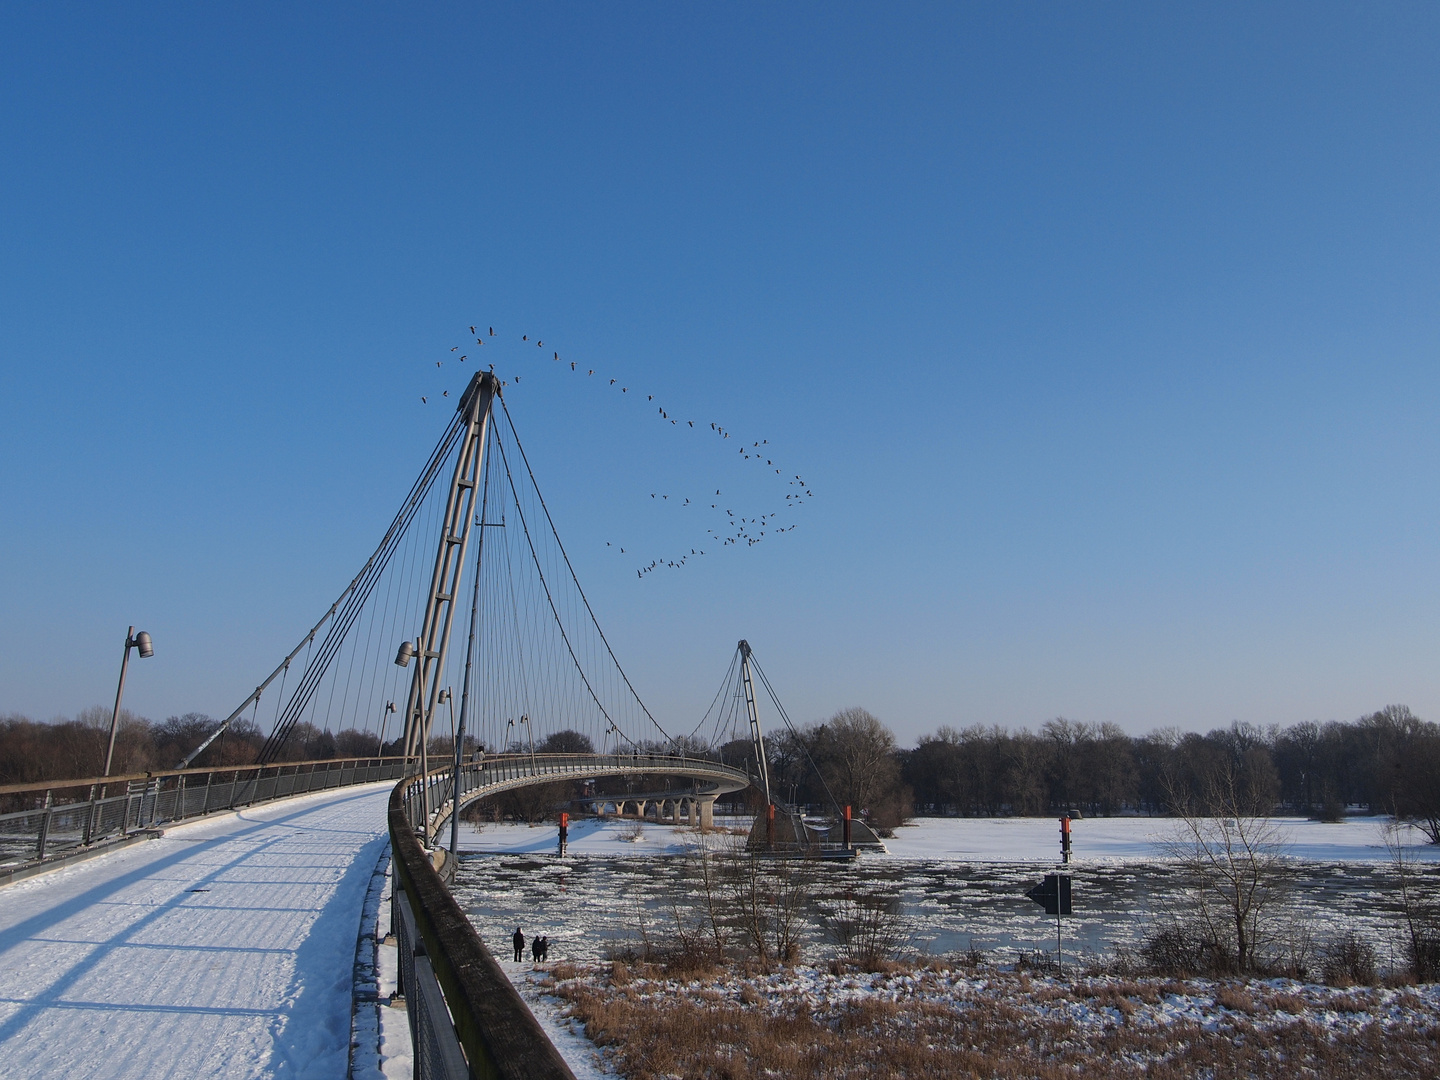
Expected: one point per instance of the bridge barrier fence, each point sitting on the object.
(46, 822)
(435, 1046)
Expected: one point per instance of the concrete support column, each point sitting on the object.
(707, 811)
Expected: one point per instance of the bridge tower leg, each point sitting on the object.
(475, 405)
(707, 812)
(755, 735)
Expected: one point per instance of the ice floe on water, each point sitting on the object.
(960, 882)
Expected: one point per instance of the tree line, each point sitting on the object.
(34, 752)
(1388, 761)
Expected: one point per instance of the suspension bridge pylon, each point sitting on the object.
(756, 737)
(432, 647)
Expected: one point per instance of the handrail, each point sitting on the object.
(120, 778)
(41, 824)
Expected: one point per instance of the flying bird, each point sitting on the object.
(492, 331)
(455, 349)
(444, 393)
(422, 401)
(472, 329)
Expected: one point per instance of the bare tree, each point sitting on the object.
(1236, 861)
(1417, 907)
(771, 895)
(857, 755)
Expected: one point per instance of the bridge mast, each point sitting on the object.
(475, 405)
(755, 736)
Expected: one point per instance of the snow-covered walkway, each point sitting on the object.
(223, 949)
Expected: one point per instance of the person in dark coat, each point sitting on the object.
(535, 946)
(545, 948)
(519, 942)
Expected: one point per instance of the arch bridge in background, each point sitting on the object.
(434, 802)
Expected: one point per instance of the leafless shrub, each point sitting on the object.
(633, 831)
(1184, 950)
(771, 895)
(1349, 961)
(866, 928)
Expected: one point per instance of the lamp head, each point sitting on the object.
(142, 642)
(407, 650)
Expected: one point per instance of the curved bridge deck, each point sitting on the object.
(498, 773)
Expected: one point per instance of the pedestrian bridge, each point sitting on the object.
(435, 802)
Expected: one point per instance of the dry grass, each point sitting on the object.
(934, 1022)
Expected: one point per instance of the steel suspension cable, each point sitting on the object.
(523, 457)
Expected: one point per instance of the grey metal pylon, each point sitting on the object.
(459, 518)
(755, 736)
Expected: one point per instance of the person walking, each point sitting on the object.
(519, 942)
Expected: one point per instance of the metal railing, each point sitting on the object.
(435, 1047)
(45, 822)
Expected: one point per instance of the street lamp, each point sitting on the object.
(384, 721)
(133, 640)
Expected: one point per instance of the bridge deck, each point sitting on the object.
(223, 949)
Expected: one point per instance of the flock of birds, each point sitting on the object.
(734, 529)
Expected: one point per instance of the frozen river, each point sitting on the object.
(960, 882)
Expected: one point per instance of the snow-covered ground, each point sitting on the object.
(1130, 839)
(995, 840)
(223, 949)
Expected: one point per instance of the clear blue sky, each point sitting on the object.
(1105, 335)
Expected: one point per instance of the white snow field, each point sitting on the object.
(987, 840)
(223, 949)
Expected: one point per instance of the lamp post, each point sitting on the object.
(448, 700)
(133, 640)
(403, 656)
(384, 721)
(530, 734)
